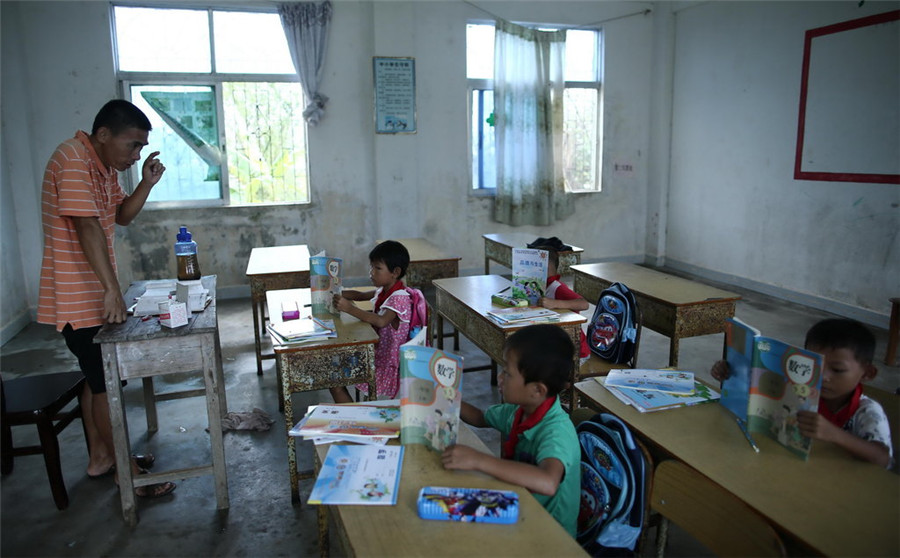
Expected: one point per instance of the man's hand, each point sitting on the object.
(114, 310)
(152, 170)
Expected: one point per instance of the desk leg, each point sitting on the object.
(493, 373)
(440, 328)
(487, 265)
(288, 408)
(212, 375)
(150, 405)
(673, 351)
(322, 520)
(220, 375)
(120, 433)
(256, 339)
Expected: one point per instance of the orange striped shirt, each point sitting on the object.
(76, 184)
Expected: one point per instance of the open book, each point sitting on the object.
(769, 382)
(325, 281)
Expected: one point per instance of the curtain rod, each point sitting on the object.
(586, 26)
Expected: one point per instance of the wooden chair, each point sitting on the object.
(40, 399)
(709, 513)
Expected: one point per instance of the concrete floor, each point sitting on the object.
(261, 520)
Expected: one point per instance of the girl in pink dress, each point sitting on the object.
(392, 311)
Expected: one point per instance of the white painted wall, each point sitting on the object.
(735, 212)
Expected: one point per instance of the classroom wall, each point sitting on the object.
(735, 212)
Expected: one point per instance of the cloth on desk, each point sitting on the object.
(552, 242)
(255, 420)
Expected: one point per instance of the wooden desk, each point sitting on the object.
(143, 349)
(347, 360)
(427, 262)
(465, 302)
(398, 531)
(831, 505)
(498, 247)
(670, 305)
(271, 268)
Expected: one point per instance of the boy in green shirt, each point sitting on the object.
(541, 452)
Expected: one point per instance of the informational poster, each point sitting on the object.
(395, 95)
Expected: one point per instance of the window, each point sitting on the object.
(224, 100)
(582, 107)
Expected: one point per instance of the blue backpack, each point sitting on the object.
(612, 334)
(613, 487)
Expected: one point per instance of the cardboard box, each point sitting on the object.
(172, 313)
(192, 294)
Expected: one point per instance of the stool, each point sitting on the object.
(890, 356)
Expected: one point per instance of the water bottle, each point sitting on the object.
(186, 255)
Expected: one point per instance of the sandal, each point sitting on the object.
(157, 490)
(144, 461)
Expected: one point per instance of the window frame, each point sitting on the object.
(127, 79)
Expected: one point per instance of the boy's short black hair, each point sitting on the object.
(552, 254)
(393, 254)
(544, 353)
(118, 115)
(842, 333)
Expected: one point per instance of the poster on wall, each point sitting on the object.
(395, 95)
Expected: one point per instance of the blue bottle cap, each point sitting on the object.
(183, 235)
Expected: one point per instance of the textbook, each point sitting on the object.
(647, 401)
(363, 475)
(668, 381)
(325, 281)
(769, 382)
(349, 421)
(529, 274)
(508, 316)
(430, 396)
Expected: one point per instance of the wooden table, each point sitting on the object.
(832, 505)
(143, 349)
(670, 305)
(465, 302)
(347, 360)
(498, 247)
(398, 531)
(271, 268)
(427, 262)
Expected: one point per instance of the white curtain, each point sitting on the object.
(306, 28)
(528, 109)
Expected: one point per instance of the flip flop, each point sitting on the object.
(157, 490)
(144, 461)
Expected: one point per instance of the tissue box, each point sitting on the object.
(172, 313)
(192, 294)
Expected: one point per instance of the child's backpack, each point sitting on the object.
(613, 487)
(419, 317)
(612, 332)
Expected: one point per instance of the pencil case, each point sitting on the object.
(505, 300)
(470, 505)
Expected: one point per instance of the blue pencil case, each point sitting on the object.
(472, 505)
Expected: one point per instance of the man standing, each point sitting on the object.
(82, 203)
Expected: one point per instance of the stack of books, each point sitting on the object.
(656, 390)
(351, 422)
(299, 331)
(523, 316)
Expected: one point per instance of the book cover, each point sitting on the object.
(669, 381)
(358, 474)
(430, 396)
(529, 274)
(325, 281)
(518, 315)
(649, 401)
(350, 420)
(769, 382)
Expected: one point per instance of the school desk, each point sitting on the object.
(142, 348)
(398, 531)
(498, 247)
(672, 306)
(831, 505)
(465, 302)
(271, 268)
(427, 262)
(313, 365)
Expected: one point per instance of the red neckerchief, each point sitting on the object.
(846, 412)
(552, 278)
(520, 426)
(386, 293)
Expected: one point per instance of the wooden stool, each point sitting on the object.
(890, 356)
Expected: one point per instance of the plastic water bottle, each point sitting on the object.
(186, 255)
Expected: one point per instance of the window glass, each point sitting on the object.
(480, 51)
(248, 43)
(179, 41)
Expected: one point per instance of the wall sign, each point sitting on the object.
(395, 95)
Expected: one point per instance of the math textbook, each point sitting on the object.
(430, 396)
(350, 420)
(529, 274)
(769, 382)
(361, 475)
(647, 401)
(325, 281)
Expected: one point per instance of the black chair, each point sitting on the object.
(40, 399)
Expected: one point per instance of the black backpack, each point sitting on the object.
(612, 333)
(613, 487)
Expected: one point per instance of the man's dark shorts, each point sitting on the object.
(90, 358)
